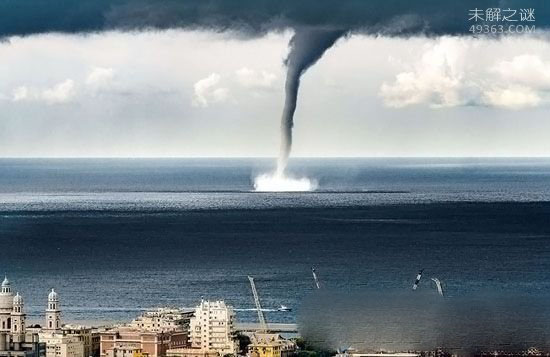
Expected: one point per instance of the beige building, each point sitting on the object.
(30, 347)
(151, 334)
(63, 340)
(212, 328)
(84, 334)
(127, 350)
(69, 340)
(60, 345)
(96, 343)
(129, 341)
(163, 320)
(191, 352)
(15, 340)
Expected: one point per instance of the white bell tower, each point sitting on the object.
(18, 319)
(6, 306)
(53, 313)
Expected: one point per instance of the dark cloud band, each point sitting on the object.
(252, 17)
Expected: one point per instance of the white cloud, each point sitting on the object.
(100, 77)
(20, 93)
(515, 97)
(60, 93)
(250, 78)
(220, 94)
(447, 76)
(437, 78)
(526, 69)
(207, 90)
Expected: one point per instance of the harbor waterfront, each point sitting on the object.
(207, 330)
(131, 236)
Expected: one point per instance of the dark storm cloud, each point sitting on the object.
(252, 17)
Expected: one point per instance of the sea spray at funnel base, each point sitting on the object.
(279, 183)
(306, 47)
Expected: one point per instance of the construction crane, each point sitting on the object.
(261, 317)
(315, 278)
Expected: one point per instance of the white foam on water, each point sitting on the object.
(281, 183)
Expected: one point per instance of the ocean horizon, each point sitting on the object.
(118, 236)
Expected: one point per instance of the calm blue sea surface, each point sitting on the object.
(115, 236)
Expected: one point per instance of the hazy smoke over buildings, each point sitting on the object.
(423, 320)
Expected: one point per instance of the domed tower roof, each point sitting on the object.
(6, 282)
(53, 296)
(6, 297)
(18, 299)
